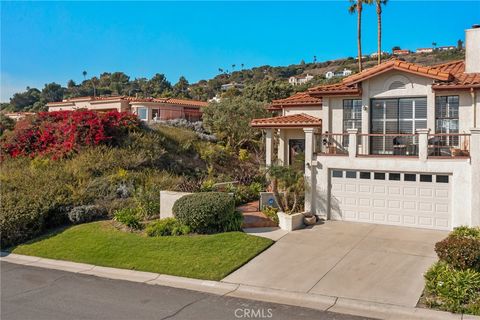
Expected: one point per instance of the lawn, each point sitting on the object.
(209, 257)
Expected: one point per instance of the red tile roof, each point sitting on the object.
(461, 80)
(335, 89)
(186, 102)
(399, 65)
(298, 99)
(301, 120)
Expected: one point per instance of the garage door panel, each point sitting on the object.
(397, 202)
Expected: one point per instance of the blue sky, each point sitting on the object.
(45, 42)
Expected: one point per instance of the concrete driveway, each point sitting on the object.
(368, 262)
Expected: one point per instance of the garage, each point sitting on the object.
(420, 200)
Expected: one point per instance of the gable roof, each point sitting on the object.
(395, 64)
(183, 102)
(301, 120)
(461, 80)
(335, 89)
(298, 99)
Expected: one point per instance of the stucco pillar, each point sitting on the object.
(282, 147)
(352, 142)
(430, 108)
(268, 147)
(326, 119)
(475, 163)
(423, 144)
(366, 109)
(309, 145)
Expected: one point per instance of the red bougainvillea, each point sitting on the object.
(61, 133)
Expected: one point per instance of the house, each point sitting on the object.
(424, 50)
(344, 73)
(18, 115)
(147, 109)
(299, 80)
(447, 48)
(231, 85)
(395, 144)
(375, 54)
(400, 52)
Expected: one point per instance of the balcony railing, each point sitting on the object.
(448, 145)
(387, 145)
(332, 144)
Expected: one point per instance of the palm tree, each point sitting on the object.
(357, 6)
(84, 75)
(242, 65)
(233, 67)
(379, 4)
(220, 70)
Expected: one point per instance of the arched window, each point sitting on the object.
(395, 85)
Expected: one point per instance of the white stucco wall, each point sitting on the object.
(312, 111)
(167, 200)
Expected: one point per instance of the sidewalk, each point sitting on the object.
(308, 300)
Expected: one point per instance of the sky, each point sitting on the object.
(44, 42)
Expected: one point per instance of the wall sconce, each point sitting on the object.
(365, 108)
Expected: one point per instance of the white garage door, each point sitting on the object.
(408, 199)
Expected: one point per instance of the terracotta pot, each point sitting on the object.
(310, 220)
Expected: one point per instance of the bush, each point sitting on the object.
(167, 227)
(460, 252)
(453, 290)
(271, 213)
(208, 212)
(82, 214)
(464, 231)
(128, 217)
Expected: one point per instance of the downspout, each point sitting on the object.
(474, 106)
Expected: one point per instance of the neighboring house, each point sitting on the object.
(299, 80)
(375, 54)
(18, 115)
(330, 74)
(235, 85)
(148, 109)
(400, 52)
(446, 48)
(396, 144)
(424, 50)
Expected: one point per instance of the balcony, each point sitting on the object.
(418, 145)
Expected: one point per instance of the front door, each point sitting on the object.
(296, 150)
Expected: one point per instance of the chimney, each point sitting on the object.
(472, 49)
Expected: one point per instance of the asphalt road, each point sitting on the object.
(37, 293)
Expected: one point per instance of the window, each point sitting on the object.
(365, 175)
(442, 179)
(142, 113)
(379, 176)
(426, 178)
(396, 85)
(446, 118)
(351, 174)
(410, 177)
(394, 176)
(337, 174)
(155, 114)
(352, 115)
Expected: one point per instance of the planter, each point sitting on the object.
(290, 222)
(310, 220)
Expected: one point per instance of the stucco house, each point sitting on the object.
(396, 144)
(299, 80)
(344, 73)
(147, 109)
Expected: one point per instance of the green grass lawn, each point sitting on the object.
(100, 243)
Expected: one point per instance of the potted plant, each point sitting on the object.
(288, 188)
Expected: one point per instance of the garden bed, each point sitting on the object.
(209, 257)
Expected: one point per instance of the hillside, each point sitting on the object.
(259, 82)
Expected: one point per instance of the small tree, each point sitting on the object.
(288, 187)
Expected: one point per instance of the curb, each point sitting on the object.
(299, 299)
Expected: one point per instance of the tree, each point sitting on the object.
(378, 4)
(159, 85)
(268, 90)
(84, 75)
(233, 67)
(357, 6)
(230, 119)
(6, 123)
(22, 101)
(434, 44)
(459, 44)
(242, 65)
(180, 89)
(52, 92)
(314, 59)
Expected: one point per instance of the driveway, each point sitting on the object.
(368, 262)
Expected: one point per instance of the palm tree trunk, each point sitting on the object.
(359, 35)
(379, 28)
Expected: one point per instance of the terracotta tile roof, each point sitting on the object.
(298, 99)
(301, 120)
(186, 102)
(461, 80)
(336, 89)
(399, 65)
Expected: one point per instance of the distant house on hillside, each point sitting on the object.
(147, 109)
(401, 52)
(230, 85)
(375, 54)
(18, 115)
(298, 80)
(330, 74)
(446, 48)
(424, 50)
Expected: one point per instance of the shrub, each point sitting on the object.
(453, 290)
(208, 212)
(82, 214)
(271, 213)
(128, 217)
(167, 227)
(464, 231)
(459, 252)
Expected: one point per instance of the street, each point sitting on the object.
(37, 293)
